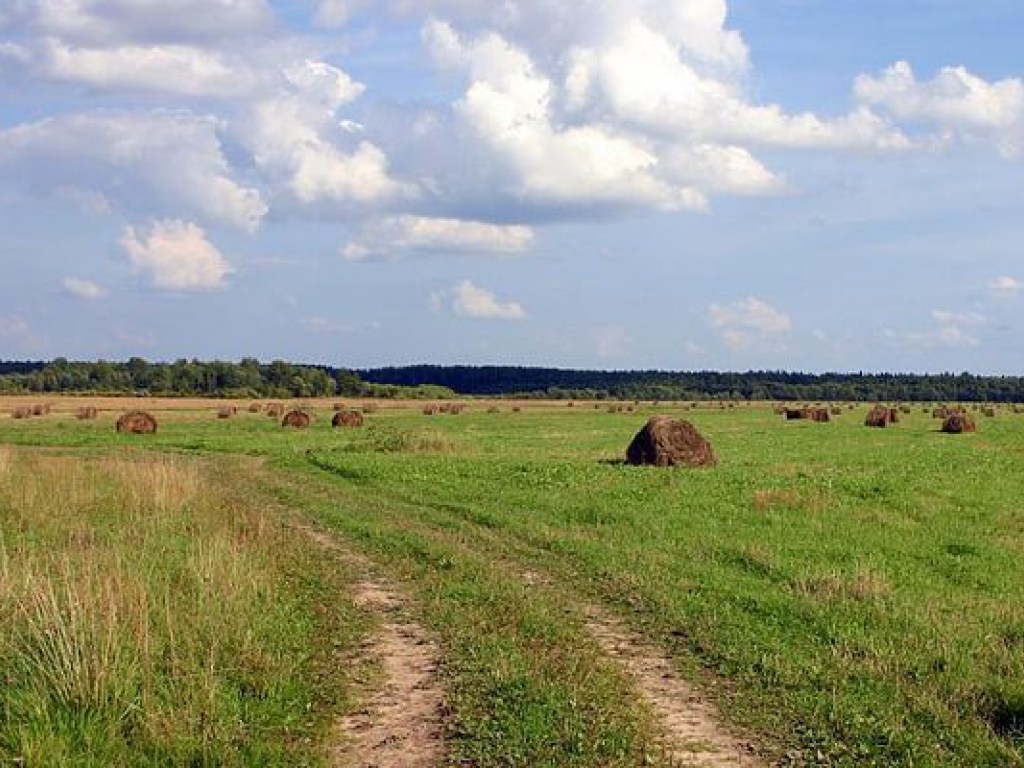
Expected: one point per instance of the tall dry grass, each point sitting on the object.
(144, 617)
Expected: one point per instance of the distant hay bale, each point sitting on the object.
(516, 409)
(40, 409)
(940, 413)
(339, 407)
(21, 412)
(990, 412)
(836, 411)
(430, 410)
(347, 418)
(570, 404)
(226, 411)
(136, 423)
(275, 410)
(255, 408)
(879, 416)
(819, 415)
(369, 407)
(494, 409)
(296, 419)
(894, 416)
(795, 414)
(958, 423)
(667, 442)
(86, 413)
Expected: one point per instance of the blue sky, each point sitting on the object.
(678, 184)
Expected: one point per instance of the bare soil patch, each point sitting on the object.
(689, 725)
(401, 724)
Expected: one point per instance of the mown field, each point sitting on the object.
(848, 596)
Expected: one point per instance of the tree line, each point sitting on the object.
(250, 378)
(674, 385)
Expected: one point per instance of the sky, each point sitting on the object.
(675, 184)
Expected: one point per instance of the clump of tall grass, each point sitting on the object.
(147, 617)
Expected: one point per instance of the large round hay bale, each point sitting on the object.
(668, 442)
(275, 410)
(136, 423)
(958, 423)
(879, 416)
(226, 411)
(347, 418)
(255, 407)
(820, 415)
(86, 412)
(21, 412)
(39, 409)
(297, 419)
(795, 414)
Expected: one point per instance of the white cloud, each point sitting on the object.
(748, 320)
(177, 69)
(397, 234)
(176, 255)
(144, 163)
(83, 289)
(111, 21)
(1005, 287)
(951, 329)
(509, 108)
(955, 103)
(469, 300)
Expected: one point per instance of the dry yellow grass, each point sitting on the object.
(131, 589)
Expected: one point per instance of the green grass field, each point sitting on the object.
(848, 596)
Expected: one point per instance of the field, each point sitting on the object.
(837, 595)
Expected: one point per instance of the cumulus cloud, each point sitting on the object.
(142, 163)
(176, 69)
(176, 255)
(955, 102)
(1005, 287)
(399, 234)
(747, 321)
(83, 289)
(469, 300)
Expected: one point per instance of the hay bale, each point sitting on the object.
(369, 407)
(668, 442)
(226, 411)
(297, 419)
(894, 416)
(879, 416)
(339, 407)
(255, 408)
(86, 413)
(136, 423)
(958, 423)
(940, 413)
(836, 411)
(795, 414)
(40, 409)
(21, 412)
(494, 409)
(989, 412)
(430, 410)
(819, 415)
(275, 410)
(347, 418)
(516, 409)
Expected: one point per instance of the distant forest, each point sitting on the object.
(666, 385)
(249, 378)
